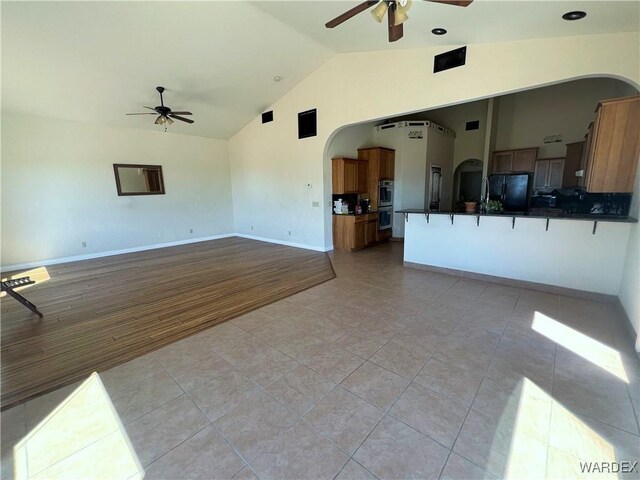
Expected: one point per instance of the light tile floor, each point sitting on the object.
(384, 372)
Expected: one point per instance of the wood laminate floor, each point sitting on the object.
(104, 312)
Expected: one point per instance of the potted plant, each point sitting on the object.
(470, 205)
(492, 206)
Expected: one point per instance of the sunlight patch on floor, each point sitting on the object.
(81, 437)
(527, 456)
(549, 441)
(38, 275)
(592, 350)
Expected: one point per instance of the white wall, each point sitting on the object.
(526, 252)
(525, 118)
(347, 141)
(58, 189)
(629, 292)
(271, 167)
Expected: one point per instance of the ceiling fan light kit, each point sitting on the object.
(380, 11)
(166, 116)
(396, 11)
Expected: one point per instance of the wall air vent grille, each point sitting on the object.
(473, 125)
(267, 116)
(452, 59)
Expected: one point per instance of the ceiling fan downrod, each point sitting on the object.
(160, 90)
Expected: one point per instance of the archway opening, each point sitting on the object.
(467, 182)
(548, 118)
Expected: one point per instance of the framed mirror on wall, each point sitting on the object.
(138, 179)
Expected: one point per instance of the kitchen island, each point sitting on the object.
(573, 254)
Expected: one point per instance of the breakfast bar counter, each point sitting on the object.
(575, 252)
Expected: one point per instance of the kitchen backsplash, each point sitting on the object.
(579, 201)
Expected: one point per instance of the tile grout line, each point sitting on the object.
(186, 394)
(495, 348)
(553, 379)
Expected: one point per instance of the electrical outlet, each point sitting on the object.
(191, 230)
(84, 244)
(251, 227)
(289, 232)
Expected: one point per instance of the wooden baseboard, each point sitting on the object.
(541, 287)
(397, 239)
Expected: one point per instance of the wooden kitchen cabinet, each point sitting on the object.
(514, 161)
(359, 234)
(585, 155)
(349, 175)
(363, 176)
(355, 232)
(572, 161)
(381, 166)
(502, 162)
(344, 174)
(387, 164)
(611, 161)
(548, 174)
(371, 229)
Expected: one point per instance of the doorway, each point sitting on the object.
(435, 188)
(467, 181)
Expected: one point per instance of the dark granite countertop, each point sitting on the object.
(562, 216)
(353, 214)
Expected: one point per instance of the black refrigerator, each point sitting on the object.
(512, 190)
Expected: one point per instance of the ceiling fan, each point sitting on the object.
(165, 114)
(396, 11)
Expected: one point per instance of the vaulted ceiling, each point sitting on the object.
(96, 61)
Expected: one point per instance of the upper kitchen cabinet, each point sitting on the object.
(548, 174)
(382, 158)
(363, 176)
(572, 161)
(514, 161)
(387, 164)
(613, 146)
(344, 173)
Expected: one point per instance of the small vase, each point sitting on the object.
(470, 207)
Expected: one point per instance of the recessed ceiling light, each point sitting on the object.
(438, 31)
(277, 78)
(575, 15)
